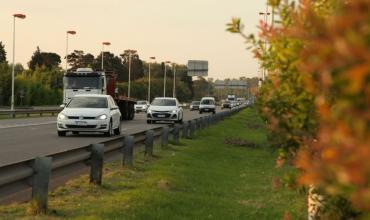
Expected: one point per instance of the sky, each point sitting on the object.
(173, 30)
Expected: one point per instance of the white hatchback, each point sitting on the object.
(90, 113)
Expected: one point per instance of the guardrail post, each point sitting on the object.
(185, 130)
(149, 139)
(165, 130)
(212, 119)
(176, 134)
(128, 151)
(97, 159)
(40, 185)
(198, 124)
(192, 128)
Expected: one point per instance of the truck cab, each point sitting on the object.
(83, 81)
(88, 81)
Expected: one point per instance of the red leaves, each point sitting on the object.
(334, 65)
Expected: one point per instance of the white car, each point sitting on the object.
(141, 106)
(207, 104)
(90, 113)
(165, 109)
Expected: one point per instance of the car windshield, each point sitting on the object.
(141, 102)
(82, 82)
(208, 102)
(88, 102)
(195, 103)
(164, 102)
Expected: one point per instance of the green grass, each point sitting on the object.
(204, 178)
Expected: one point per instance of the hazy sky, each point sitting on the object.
(175, 30)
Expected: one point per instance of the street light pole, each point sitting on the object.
(164, 78)
(67, 33)
(265, 19)
(174, 81)
(130, 53)
(21, 16)
(102, 54)
(150, 58)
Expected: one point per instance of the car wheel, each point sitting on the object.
(62, 133)
(110, 132)
(214, 112)
(117, 131)
(75, 132)
(148, 121)
(200, 112)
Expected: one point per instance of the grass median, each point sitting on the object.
(226, 172)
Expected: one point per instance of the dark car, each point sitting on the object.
(194, 105)
(226, 104)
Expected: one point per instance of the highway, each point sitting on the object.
(27, 138)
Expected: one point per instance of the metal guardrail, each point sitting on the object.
(28, 112)
(19, 181)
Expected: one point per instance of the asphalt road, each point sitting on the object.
(24, 139)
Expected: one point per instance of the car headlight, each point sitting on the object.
(61, 116)
(149, 111)
(102, 117)
(174, 111)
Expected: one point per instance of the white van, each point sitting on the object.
(207, 104)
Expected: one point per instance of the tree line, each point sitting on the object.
(42, 82)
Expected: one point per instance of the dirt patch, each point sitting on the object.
(254, 126)
(240, 142)
(254, 204)
(163, 184)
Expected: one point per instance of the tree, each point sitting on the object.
(111, 63)
(137, 67)
(78, 59)
(44, 59)
(2, 53)
(316, 100)
(5, 83)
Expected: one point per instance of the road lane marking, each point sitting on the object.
(26, 125)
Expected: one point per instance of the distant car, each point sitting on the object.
(207, 104)
(90, 113)
(141, 106)
(165, 109)
(226, 104)
(194, 105)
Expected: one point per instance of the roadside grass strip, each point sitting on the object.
(225, 172)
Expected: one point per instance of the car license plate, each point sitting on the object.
(161, 116)
(81, 123)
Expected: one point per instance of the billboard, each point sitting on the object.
(197, 68)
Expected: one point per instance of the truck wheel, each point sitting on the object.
(62, 133)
